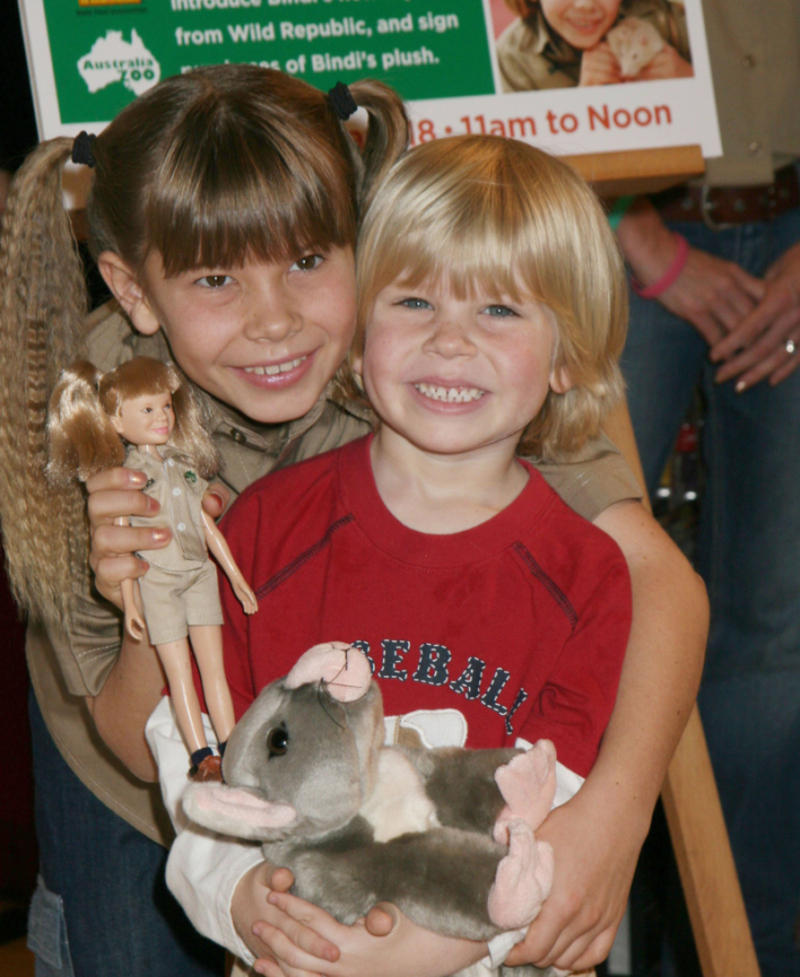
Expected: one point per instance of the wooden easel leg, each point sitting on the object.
(708, 875)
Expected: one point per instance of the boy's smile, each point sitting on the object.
(452, 375)
(582, 23)
(264, 338)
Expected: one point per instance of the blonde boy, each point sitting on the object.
(491, 314)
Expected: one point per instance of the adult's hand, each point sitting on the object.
(757, 348)
(599, 66)
(712, 294)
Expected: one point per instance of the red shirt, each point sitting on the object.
(520, 624)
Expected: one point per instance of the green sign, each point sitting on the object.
(105, 53)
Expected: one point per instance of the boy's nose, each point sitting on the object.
(449, 338)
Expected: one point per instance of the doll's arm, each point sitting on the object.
(598, 834)
(219, 547)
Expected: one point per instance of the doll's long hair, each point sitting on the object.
(208, 168)
(82, 440)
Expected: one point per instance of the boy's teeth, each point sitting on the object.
(269, 371)
(450, 395)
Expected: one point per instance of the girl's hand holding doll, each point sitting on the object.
(116, 494)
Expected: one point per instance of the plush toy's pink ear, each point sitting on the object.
(236, 812)
(344, 670)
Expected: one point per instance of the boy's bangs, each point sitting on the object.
(216, 208)
(475, 253)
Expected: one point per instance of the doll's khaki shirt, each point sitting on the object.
(71, 664)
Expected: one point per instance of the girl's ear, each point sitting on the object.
(125, 287)
(560, 380)
(116, 423)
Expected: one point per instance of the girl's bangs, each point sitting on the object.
(215, 209)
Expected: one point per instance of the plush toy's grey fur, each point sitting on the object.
(358, 823)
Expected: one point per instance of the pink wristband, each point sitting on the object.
(670, 275)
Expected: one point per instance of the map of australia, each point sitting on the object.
(112, 59)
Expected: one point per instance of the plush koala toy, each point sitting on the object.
(634, 42)
(445, 834)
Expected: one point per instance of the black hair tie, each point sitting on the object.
(82, 149)
(342, 102)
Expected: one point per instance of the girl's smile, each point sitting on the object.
(265, 338)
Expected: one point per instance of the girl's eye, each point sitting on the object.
(308, 262)
(214, 281)
(415, 303)
(499, 311)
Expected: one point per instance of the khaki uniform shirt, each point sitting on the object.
(68, 665)
(178, 489)
(755, 64)
(532, 56)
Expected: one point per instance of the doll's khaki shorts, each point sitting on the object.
(175, 600)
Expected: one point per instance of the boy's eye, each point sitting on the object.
(214, 281)
(308, 262)
(415, 303)
(499, 311)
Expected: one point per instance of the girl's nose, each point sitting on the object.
(273, 317)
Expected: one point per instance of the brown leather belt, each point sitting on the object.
(721, 206)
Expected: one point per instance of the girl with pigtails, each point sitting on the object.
(223, 217)
(144, 404)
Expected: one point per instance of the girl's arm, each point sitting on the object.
(598, 834)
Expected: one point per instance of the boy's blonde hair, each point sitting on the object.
(483, 213)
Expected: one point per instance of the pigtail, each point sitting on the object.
(387, 136)
(42, 307)
(82, 440)
(189, 436)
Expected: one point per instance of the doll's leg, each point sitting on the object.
(176, 657)
(207, 646)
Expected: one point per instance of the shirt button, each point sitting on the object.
(176, 491)
(237, 436)
(749, 61)
(170, 462)
(754, 148)
(181, 527)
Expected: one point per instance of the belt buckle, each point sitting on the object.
(706, 206)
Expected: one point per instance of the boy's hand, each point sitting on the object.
(666, 64)
(406, 950)
(599, 66)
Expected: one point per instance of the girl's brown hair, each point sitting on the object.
(207, 168)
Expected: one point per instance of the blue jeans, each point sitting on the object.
(102, 908)
(749, 556)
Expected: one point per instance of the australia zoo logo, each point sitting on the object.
(116, 61)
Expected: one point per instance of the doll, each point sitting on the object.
(142, 415)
